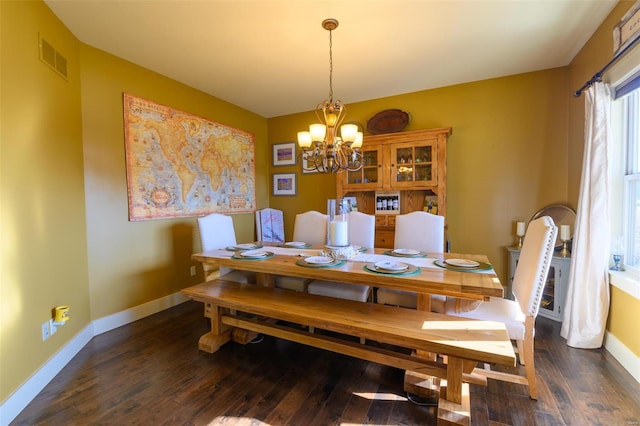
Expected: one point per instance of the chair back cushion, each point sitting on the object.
(362, 229)
(533, 265)
(216, 231)
(310, 227)
(421, 231)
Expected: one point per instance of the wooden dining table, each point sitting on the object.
(455, 282)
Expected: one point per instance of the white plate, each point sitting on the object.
(318, 260)
(295, 244)
(245, 246)
(253, 253)
(391, 266)
(406, 251)
(462, 263)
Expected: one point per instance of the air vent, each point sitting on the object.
(50, 56)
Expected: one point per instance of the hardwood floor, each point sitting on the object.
(150, 372)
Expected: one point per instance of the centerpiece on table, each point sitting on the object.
(338, 245)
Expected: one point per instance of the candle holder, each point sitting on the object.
(565, 248)
(338, 222)
(565, 237)
(617, 253)
(520, 232)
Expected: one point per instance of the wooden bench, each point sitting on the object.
(462, 342)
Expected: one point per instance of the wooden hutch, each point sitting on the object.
(402, 172)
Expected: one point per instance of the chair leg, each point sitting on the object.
(530, 369)
(520, 346)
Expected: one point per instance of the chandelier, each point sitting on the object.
(324, 150)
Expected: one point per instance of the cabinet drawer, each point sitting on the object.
(386, 220)
(384, 239)
(391, 221)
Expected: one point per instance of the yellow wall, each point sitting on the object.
(624, 318)
(624, 311)
(42, 216)
(65, 230)
(133, 262)
(506, 156)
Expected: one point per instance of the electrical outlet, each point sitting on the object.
(52, 327)
(192, 270)
(45, 331)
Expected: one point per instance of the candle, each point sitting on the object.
(338, 233)
(520, 229)
(565, 233)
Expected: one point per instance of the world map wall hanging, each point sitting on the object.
(182, 165)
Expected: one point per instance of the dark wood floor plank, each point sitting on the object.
(150, 372)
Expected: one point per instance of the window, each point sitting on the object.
(626, 240)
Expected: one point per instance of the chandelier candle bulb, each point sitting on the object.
(520, 229)
(317, 131)
(349, 132)
(357, 143)
(304, 139)
(565, 233)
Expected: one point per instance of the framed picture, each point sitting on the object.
(284, 184)
(284, 154)
(354, 203)
(307, 163)
(627, 30)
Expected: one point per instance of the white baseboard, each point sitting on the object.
(623, 355)
(22, 396)
(119, 319)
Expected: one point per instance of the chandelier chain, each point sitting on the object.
(330, 67)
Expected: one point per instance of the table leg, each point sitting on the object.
(265, 280)
(424, 304)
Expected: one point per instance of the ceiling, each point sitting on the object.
(272, 57)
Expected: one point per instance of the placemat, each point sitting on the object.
(236, 248)
(241, 257)
(411, 270)
(391, 253)
(483, 266)
(302, 262)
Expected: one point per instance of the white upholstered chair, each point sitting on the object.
(362, 228)
(309, 227)
(519, 315)
(421, 231)
(217, 232)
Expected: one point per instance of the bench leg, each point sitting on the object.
(219, 334)
(454, 380)
(449, 413)
(211, 342)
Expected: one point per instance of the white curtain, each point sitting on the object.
(587, 304)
